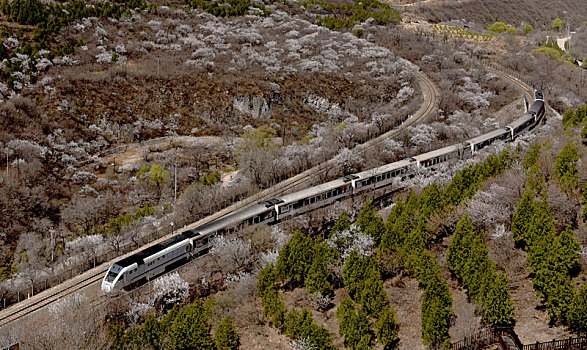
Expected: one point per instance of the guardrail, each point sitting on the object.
(578, 343)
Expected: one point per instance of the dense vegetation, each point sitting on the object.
(180, 329)
(553, 259)
(347, 15)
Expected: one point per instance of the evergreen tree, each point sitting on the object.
(317, 279)
(568, 251)
(190, 329)
(431, 200)
(584, 135)
(581, 114)
(295, 258)
(353, 274)
(354, 327)
(372, 295)
(532, 156)
(477, 272)
(577, 316)
(565, 168)
(226, 337)
(498, 308)
(436, 314)
(292, 324)
(152, 333)
(266, 279)
(459, 248)
(387, 329)
(569, 117)
(522, 218)
(560, 292)
(371, 222)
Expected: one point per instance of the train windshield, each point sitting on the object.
(113, 272)
(111, 276)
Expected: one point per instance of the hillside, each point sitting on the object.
(120, 117)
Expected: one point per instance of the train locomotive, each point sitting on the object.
(159, 258)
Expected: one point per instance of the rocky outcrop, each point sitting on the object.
(256, 107)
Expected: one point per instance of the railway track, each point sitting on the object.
(304, 179)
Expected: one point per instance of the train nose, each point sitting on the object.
(106, 287)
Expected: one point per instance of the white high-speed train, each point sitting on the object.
(155, 260)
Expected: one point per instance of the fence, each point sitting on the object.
(579, 343)
(488, 337)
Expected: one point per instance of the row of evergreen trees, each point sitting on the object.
(468, 259)
(180, 329)
(553, 259)
(366, 306)
(296, 325)
(408, 233)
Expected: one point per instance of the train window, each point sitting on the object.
(187, 249)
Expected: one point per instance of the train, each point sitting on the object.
(157, 259)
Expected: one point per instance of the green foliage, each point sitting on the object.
(342, 224)
(527, 28)
(190, 329)
(584, 135)
(498, 307)
(458, 251)
(226, 337)
(259, 138)
(353, 274)
(210, 179)
(521, 220)
(577, 316)
(187, 328)
(551, 259)
(295, 258)
(371, 222)
(347, 15)
(558, 23)
(387, 329)
(303, 326)
(436, 314)
(499, 27)
(467, 181)
(565, 168)
(551, 52)
(353, 326)
(317, 278)
(24, 11)
(228, 8)
(569, 117)
(468, 259)
(372, 295)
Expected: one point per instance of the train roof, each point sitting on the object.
(536, 106)
(314, 190)
(386, 168)
(143, 254)
(231, 220)
(438, 152)
(521, 121)
(488, 136)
